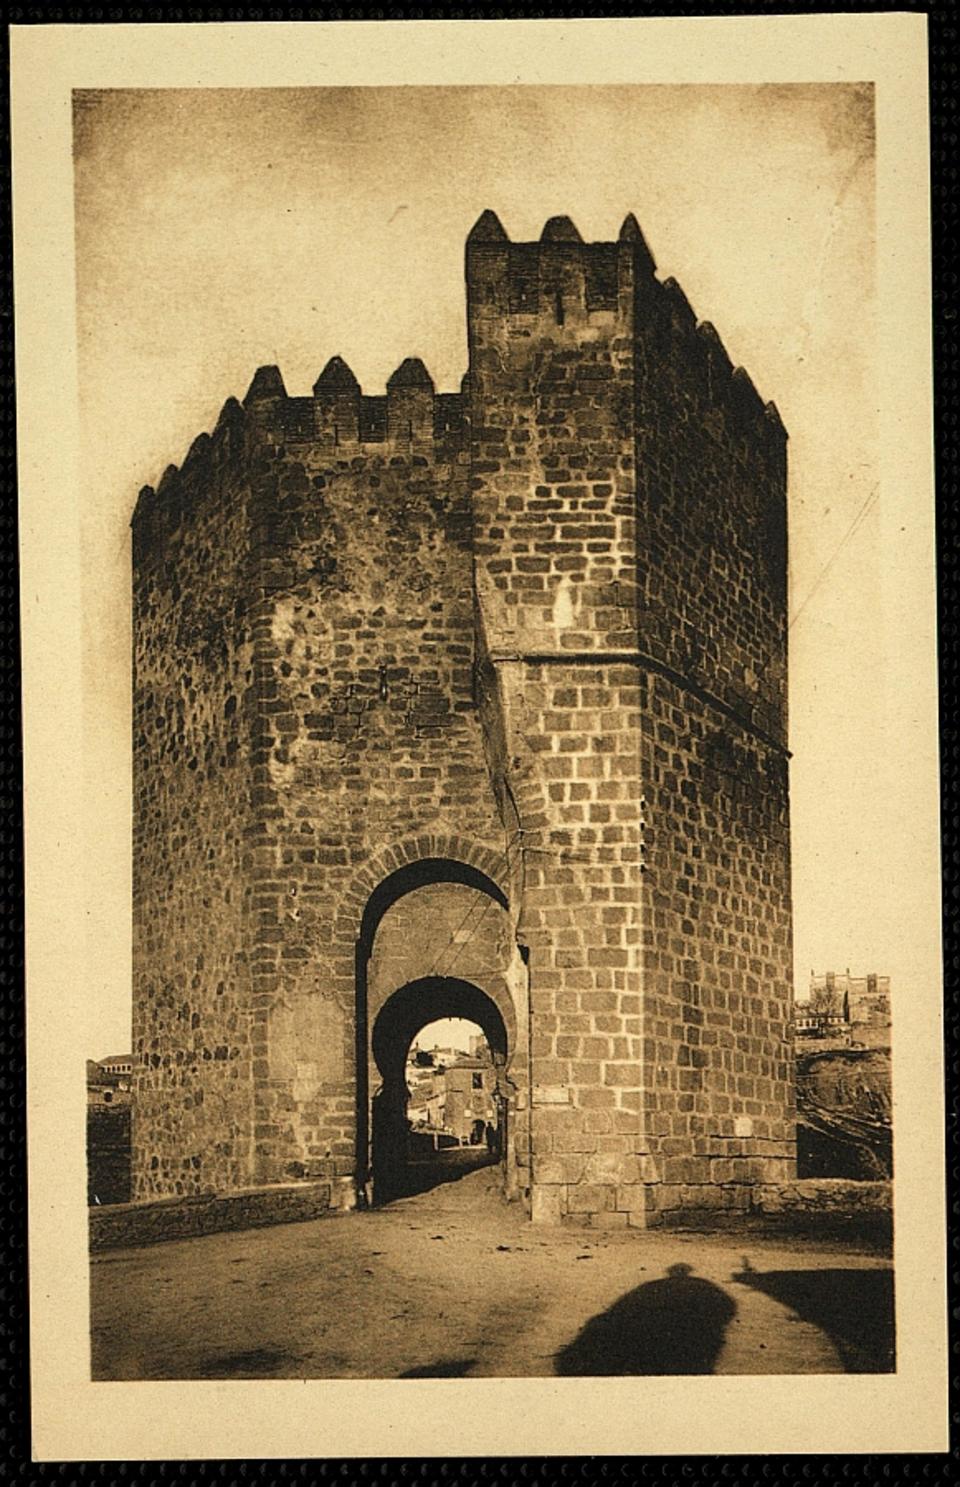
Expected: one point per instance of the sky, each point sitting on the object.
(449, 1032)
(220, 229)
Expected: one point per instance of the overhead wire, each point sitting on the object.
(851, 531)
(485, 901)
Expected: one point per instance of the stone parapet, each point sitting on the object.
(133, 1224)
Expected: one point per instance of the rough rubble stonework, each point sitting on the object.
(474, 705)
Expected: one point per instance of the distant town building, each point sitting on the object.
(846, 1008)
(109, 1099)
(865, 999)
(435, 1057)
(469, 1104)
(108, 1080)
(457, 1097)
(120, 1064)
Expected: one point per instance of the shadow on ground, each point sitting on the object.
(855, 1308)
(422, 1174)
(452, 1368)
(256, 1363)
(671, 1326)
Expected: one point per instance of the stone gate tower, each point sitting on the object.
(474, 704)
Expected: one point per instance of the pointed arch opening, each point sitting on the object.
(434, 943)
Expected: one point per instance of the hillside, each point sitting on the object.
(844, 1126)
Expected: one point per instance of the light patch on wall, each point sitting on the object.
(564, 608)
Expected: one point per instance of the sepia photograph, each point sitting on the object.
(484, 762)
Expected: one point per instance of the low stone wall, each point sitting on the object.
(122, 1224)
(826, 1206)
(818, 1198)
(108, 1154)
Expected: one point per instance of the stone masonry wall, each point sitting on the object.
(368, 732)
(711, 512)
(551, 387)
(193, 678)
(716, 956)
(574, 775)
(551, 425)
(630, 511)
(711, 610)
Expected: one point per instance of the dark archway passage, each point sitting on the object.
(397, 1168)
(402, 990)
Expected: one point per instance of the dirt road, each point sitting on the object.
(453, 1282)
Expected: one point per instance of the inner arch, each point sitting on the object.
(405, 1013)
(432, 999)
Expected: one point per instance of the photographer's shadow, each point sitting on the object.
(672, 1326)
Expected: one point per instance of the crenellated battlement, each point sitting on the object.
(569, 285)
(697, 353)
(211, 459)
(338, 423)
(559, 277)
(339, 416)
(560, 288)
